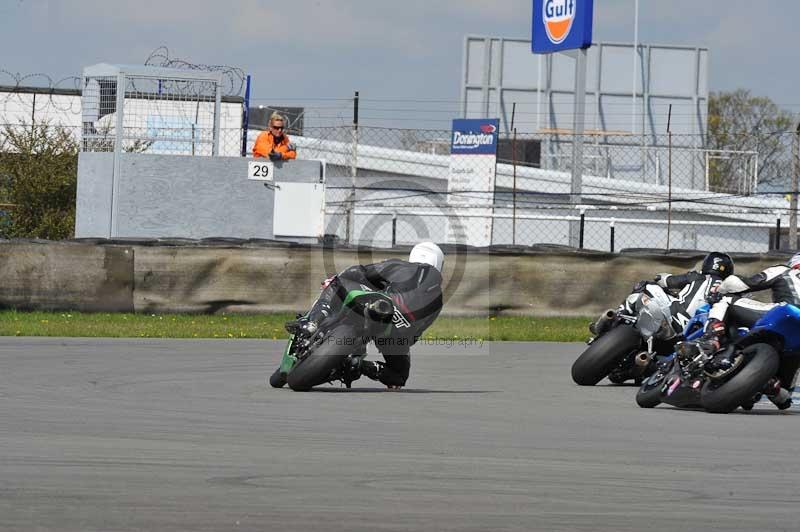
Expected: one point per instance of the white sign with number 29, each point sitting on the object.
(260, 170)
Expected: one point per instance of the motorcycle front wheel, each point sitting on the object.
(277, 379)
(649, 394)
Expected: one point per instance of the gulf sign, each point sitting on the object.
(474, 136)
(561, 25)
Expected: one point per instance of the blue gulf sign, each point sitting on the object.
(561, 25)
(474, 136)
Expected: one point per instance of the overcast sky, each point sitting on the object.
(311, 52)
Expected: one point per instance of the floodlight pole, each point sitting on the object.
(635, 61)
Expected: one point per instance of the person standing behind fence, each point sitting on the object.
(273, 142)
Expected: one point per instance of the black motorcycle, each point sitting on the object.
(333, 351)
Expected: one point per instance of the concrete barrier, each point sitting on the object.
(66, 276)
(262, 277)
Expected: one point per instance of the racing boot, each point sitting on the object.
(352, 369)
(371, 369)
(777, 394)
(709, 345)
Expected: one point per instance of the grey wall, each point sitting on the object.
(162, 196)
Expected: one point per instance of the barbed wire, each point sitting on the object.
(14, 83)
(50, 92)
(233, 77)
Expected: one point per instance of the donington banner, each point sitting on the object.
(470, 185)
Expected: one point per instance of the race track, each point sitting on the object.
(184, 435)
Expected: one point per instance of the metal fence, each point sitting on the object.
(163, 116)
(390, 187)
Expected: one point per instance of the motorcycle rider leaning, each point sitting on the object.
(784, 281)
(693, 288)
(690, 289)
(415, 287)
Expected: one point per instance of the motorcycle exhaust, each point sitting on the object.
(641, 362)
(603, 323)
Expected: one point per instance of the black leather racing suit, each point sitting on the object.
(416, 290)
(691, 289)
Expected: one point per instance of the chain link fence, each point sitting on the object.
(390, 186)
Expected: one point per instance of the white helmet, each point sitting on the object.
(794, 262)
(427, 253)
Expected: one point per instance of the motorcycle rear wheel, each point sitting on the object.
(761, 363)
(605, 354)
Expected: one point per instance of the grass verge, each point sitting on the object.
(77, 324)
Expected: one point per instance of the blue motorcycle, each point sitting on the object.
(770, 349)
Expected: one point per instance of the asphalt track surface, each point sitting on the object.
(184, 435)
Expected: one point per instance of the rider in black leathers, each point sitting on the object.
(415, 287)
(693, 288)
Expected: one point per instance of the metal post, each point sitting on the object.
(583, 225)
(778, 233)
(353, 171)
(793, 197)
(246, 116)
(33, 115)
(635, 54)
(119, 137)
(217, 110)
(514, 191)
(669, 178)
(612, 236)
(394, 229)
(514, 185)
(576, 182)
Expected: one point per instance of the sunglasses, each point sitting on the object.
(279, 128)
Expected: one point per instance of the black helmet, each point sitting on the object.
(717, 263)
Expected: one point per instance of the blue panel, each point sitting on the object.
(561, 25)
(474, 136)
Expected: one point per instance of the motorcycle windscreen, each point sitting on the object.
(654, 316)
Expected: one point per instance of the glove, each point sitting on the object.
(714, 296)
(640, 286)
(275, 156)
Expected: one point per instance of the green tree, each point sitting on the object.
(39, 167)
(740, 121)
